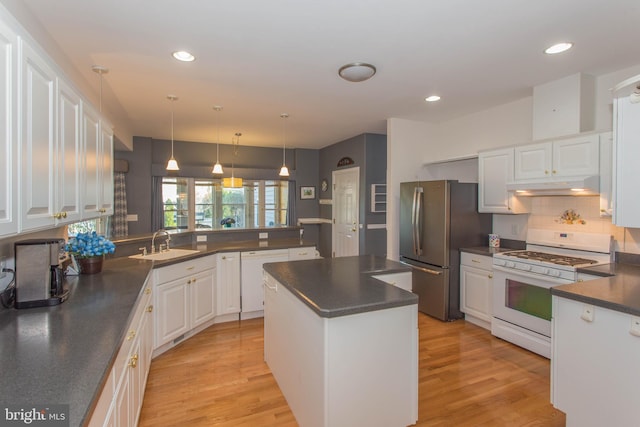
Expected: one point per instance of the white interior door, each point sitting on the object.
(346, 206)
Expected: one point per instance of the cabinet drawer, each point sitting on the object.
(302, 253)
(401, 280)
(477, 261)
(132, 331)
(185, 268)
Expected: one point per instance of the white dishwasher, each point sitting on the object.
(252, 289)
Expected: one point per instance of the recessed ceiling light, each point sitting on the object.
(183, 55)
(432, 98)
(558, 48)
(357, 71)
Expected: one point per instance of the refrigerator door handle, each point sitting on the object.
(413, 219)
(425, 270)
(417, 229)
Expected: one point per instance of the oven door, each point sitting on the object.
(524, 299)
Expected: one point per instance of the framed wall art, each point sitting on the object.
(307, 193)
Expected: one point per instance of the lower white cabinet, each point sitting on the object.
(228, 286)
(476, 282)
(121, 399)
(252, 281)
(185, 297)
(595, 353)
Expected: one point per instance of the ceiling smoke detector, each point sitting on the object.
(357, 72)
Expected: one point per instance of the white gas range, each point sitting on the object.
(522, 279)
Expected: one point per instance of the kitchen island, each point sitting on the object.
(596, 347)
(342, 345)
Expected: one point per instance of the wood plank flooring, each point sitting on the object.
(467, 378)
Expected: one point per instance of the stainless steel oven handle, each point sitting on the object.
(424, 270)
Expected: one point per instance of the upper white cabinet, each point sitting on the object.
(98, 165)
(8, 131)
(626, 128)
(579, 156)
(44, 181)
(38, 143)
(495, 170)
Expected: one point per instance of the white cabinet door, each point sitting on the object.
(495, 170)
(533, 161)
(476, 285)
(606, 174)
(106, 184)
(576, 156)
(626, 212)
(172, 310)
(228, 285)
(202, 293)
(69, 161)
(38, 142)
(91, 172)
(252, 289)
(9, 131)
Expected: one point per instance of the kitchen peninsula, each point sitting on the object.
(341, 343)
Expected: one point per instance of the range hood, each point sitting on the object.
(571, 186)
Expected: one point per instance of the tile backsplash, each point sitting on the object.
(546, 213)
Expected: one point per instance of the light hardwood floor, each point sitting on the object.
(467, 378)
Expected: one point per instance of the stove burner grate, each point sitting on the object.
(551, 258)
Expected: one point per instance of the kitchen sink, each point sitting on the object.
(163, 256)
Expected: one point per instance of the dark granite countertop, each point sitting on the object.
(62, 354)
(618, 289)
(342, 286)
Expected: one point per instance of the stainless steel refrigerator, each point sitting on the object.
(437, 218)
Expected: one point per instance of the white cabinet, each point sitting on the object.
(401, 280)
(185, 297)
(606, 174)
(476, 284)
(591, 359)
(9, 133)
(98, 165)
(38, 143)
(252, 281)
(495, 170)
(578, 156)
(296, 254)
(228, 286)
(626, 116)
(121, 398)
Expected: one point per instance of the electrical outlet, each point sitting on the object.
(514, 229)
(263, 235)
(201, 238)
(3, 265)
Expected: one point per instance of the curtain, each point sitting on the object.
(292, 216)
(120, 226)
(157, 207)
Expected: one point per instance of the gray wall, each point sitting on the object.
(369, 153)
(149, 156)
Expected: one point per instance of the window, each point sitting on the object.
(191, 203)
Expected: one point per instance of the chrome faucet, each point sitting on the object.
(153, 240)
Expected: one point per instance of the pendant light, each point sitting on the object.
(217, 168)
(100, 70)
(284, 171)
(172, 164)
(233, 182)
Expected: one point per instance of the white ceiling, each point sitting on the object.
(261, 58)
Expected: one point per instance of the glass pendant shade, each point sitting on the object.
(284, 171)
(232, 182)
(172, 165)
(217, 169)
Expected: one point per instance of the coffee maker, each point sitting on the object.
(39, 276)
